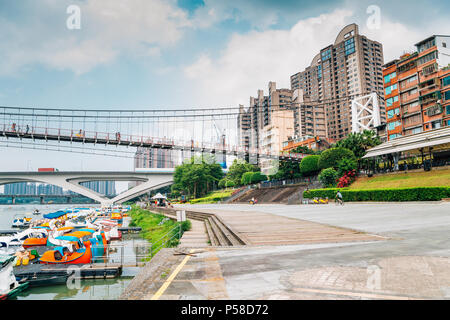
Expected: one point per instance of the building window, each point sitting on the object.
(389, 89)
(390, 101)
(394, 136)
(427, 58)
(349, 46)
(393, 112)
(447, 95)
(426, 45)
(389, 77)
(436, 124)
(446, 81)
(393, 125)
(326, 54)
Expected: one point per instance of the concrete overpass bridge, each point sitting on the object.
(70, 180)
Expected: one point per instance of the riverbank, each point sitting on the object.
(157, 229)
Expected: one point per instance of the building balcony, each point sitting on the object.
(409, 85)
(407, 74)
(428, 71)
(432, 96)
(409, 98)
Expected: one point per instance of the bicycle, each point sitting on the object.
(339, 201)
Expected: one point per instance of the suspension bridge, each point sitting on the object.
(195, 130)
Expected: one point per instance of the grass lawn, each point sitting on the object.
(154, 230)
(214, 196)
(434, 178)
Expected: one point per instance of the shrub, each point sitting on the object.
(309, 165)
(328, 177)
(388, 194)
(347, 179)
(229, 184)
(226, 183)
(346, 165)
(258, 177)
(329, 158)
(221, 183)
(247, 178)
(252, 177)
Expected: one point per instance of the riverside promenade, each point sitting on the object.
(358, 251)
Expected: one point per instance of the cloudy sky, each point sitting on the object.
(140, 54)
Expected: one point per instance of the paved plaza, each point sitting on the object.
(402, 252)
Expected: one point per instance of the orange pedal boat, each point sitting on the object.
(62, 255)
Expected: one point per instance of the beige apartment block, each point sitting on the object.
(273, 136)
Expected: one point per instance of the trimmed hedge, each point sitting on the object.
(388, 194)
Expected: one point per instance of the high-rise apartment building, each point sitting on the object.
(340, 72)
(252, 122)
(32, 188)
(107, 188)
(244, 120)
(309, 117)
(417, 89)
(154, 158)
(280, 129)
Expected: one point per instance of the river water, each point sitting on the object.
(97, 289)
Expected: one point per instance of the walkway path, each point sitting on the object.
(261, 228)
(412, 262)
(196, 237)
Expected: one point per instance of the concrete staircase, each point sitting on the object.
(218, 233)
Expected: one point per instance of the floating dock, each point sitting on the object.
(9, 232)
(126, 230)
(81, 271)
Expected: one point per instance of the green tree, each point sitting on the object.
(303, 149)
(345, 165)
(330, 157)
(309, 165)
(226, 183)
(359, 143)
(246, 178)
(287, 170)
(328, 177)
(238, 168)
(258, 177)
(252, 177)
(196, 177)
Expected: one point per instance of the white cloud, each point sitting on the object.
(251, 60)
(108, 29)
(398, 38)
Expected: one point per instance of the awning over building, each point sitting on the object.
(438, 140)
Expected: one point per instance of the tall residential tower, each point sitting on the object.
(340, 72)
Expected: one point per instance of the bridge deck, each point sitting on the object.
(135, 141)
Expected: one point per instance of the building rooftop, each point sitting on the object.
(431, 37)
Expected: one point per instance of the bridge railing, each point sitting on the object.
(126, 139)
